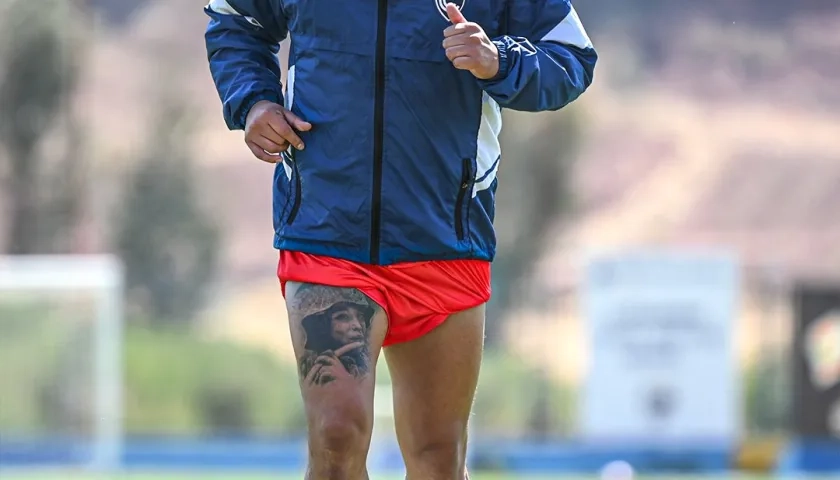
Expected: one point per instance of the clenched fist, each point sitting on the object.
(468, 47)
(270, 129)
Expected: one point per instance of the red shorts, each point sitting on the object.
(417, 297)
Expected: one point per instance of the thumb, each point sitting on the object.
(455, 15)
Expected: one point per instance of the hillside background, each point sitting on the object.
(710, 124)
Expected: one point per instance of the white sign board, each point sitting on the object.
(662, 362)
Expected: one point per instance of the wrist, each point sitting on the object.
(252, 101)
(503, 61)
(490, 67)
(255, 109)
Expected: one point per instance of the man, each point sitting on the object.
(386, 150)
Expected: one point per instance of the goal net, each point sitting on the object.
(60, 361)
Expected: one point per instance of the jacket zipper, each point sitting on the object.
(378, 133)
(466, 181)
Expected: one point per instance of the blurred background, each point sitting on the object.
(701, 172)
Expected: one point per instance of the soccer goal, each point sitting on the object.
(61, 321)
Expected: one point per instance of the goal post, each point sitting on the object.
(102, 276)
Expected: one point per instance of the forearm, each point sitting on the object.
(242, 54)
(546, 59)
(539, 76)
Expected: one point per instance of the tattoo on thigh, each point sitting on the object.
(336, 324)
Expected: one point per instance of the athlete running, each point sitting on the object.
(386, 148)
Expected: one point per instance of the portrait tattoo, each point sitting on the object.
(336, 324)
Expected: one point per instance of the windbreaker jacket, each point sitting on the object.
(401, 162)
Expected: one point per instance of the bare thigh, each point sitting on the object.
(337, 335)
(434, 380)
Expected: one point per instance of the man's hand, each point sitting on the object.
(270, 129)
(468, 47)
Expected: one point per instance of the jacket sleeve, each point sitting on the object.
(243, 39)
(546, 59)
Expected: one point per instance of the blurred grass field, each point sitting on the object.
(9, 475)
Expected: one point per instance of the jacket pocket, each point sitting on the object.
(462, 203)
(295, 194)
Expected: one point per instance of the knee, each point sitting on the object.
(338, 445)
(442, 459)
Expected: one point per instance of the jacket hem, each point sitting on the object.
(362, 255)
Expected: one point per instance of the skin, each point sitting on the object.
(434, 381)
(339, 412)
(468, 47)
(270, 129)
(433, 378)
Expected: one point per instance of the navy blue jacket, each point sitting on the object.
(401, 162)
